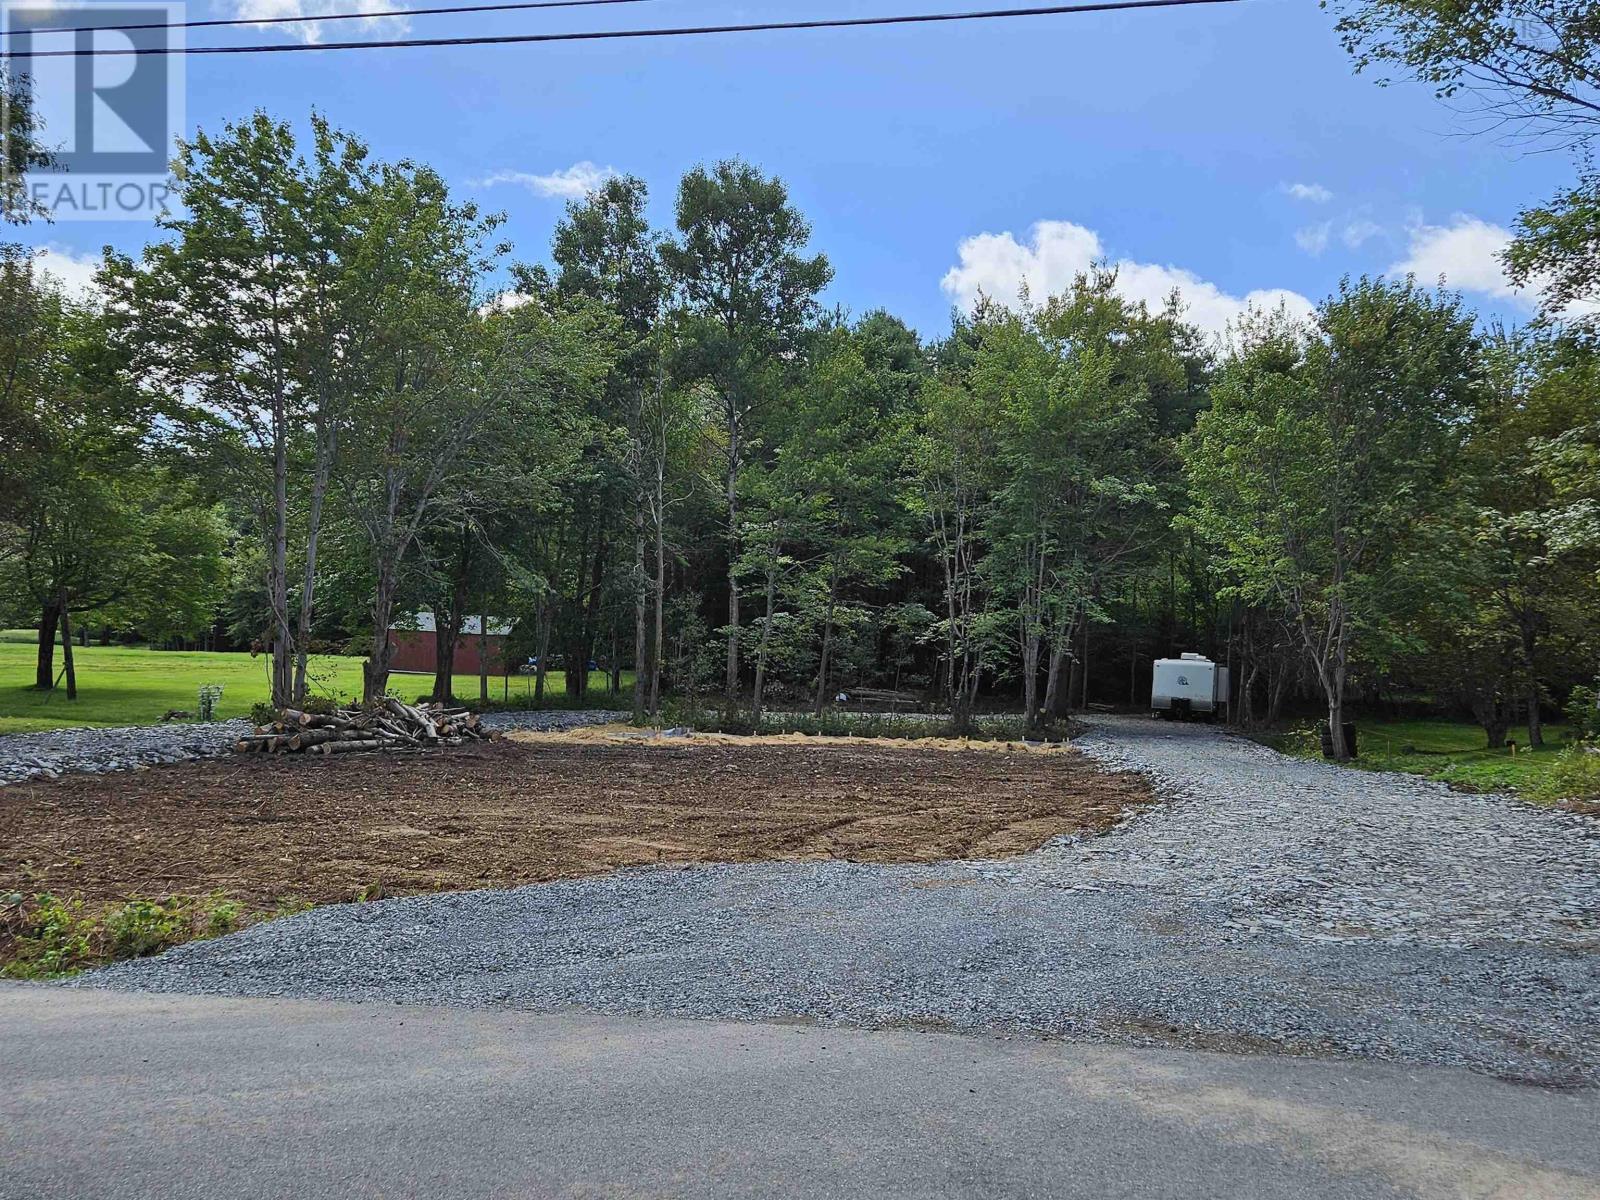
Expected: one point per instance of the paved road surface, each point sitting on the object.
(129, 1096)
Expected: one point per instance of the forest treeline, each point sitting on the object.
(312, 406)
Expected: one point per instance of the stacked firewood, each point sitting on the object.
(387, 726)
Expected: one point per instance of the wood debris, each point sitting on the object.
(389, 726)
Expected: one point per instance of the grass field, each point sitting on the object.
(130, 685)
(1454, 752)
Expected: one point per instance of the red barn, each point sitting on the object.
(415, 639)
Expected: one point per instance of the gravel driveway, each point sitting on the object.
(1274, 904)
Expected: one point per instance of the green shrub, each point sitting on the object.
(221, 916)
(1575, 775)
(1583, 711)
(856, 724)
(51, 936)
(262, 713)
(54, 937)
(142, 927)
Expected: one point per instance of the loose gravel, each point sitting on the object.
(96, 751)
(1273, 904)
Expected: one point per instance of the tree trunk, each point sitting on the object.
(546, 619)
(1031, 713)
(827, 641)
(66, 649)
(1535, 717)
(761, 652)
(375, 671)
(640, 599)
(1247, 700)
(447, 632)
(660, 604)
(578, 684)
(1052, 685)
(731, 684)
(1495, 721)
(326, 447)
(1335, 691)
(444, 656)
(1083, 693)
(1280, 690)
(44, 675)
(483, 658)
(278, 564)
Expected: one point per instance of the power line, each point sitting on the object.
(606, 35)
(343, 16)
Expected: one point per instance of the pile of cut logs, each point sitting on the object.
(391, 725)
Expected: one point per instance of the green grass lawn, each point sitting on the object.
(130, 685)
(1454, 752)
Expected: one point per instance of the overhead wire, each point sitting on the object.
(618, 34)
(519, 5)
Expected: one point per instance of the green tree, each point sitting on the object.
(1530, 64)
(749, 294)
(23, 149)
(244, 318)
(1322, 455)
(842, 449)
(96, 523)
(954, 454)
(607, 254)
(1530, 67)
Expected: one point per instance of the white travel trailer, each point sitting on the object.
(1188, 685)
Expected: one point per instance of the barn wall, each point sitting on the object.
(414, 650)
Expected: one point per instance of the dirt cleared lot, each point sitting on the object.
(328, 830)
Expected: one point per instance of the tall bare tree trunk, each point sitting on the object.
(66, 648)
(1083, 695)
(375, 671)
(640, 598)
(1333, 681)
(327, 445)
(483, 658)
(731, 685)
(1052, 692)
(1030, 672)
(447, 630)
(827, 640)
(278, 563)
(660, 600)
(761, 651)
(541, 672)
(44, 674)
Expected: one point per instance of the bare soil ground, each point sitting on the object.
(321, 830)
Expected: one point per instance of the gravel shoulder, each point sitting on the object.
(1271, 905)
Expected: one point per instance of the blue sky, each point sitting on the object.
(1229, 150)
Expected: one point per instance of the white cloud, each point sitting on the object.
(504, 302)
(312, 31)
(1313, 193)
(569, 183)
(998, 266)
(1313, 239)
(1359, 232)
(73, 272)
(1465, 254)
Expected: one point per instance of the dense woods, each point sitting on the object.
(312, 405)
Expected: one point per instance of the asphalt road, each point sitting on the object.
(140, 1095)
